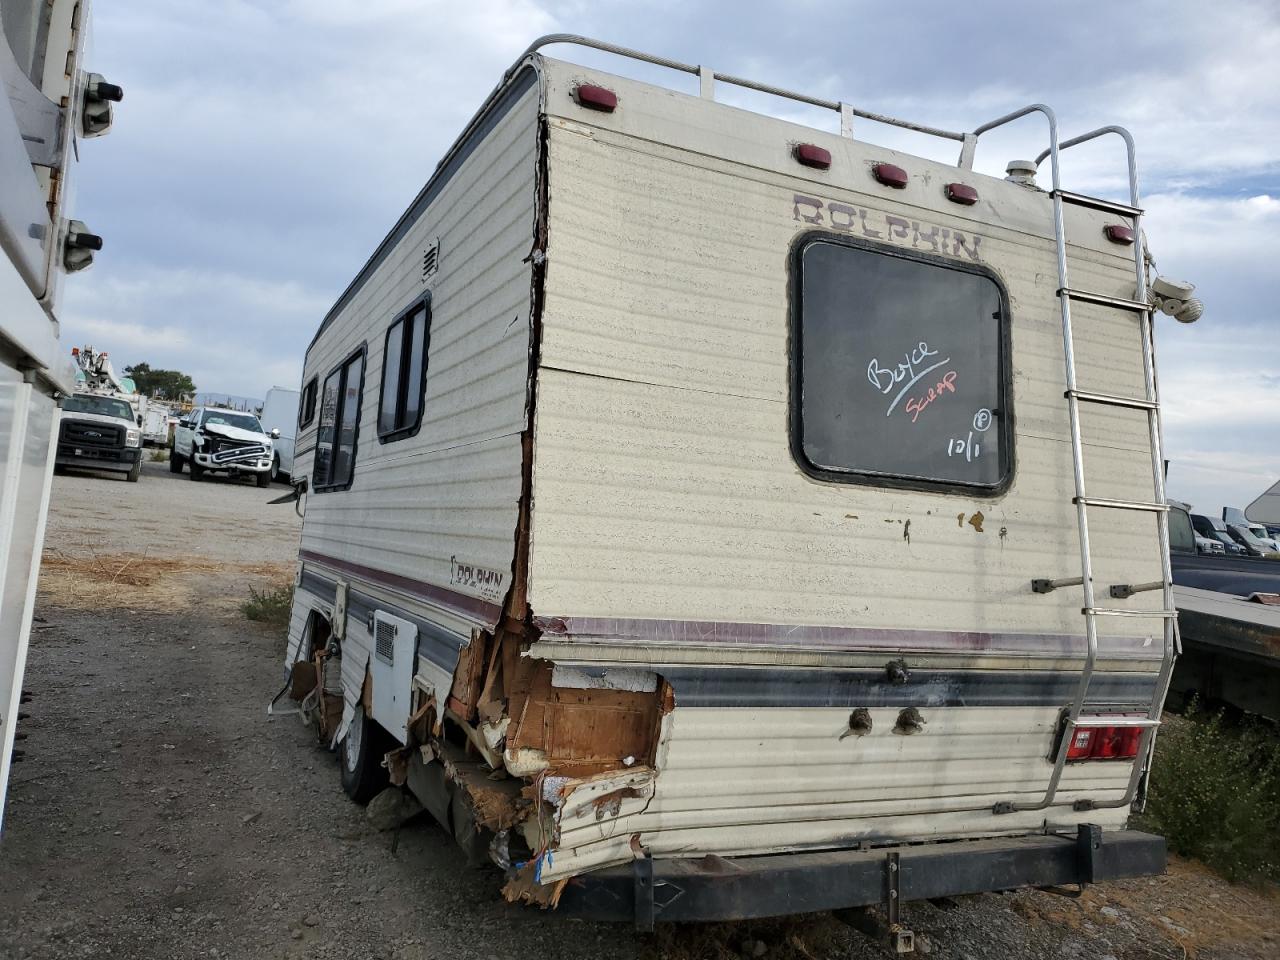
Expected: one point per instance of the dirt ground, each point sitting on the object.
(160, 813)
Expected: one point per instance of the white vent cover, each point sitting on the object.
(395, 643)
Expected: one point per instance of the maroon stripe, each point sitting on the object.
(462, 604)
(719, 633)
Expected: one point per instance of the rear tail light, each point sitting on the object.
(1104, 743)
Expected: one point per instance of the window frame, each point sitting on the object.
(307, 411)
(362, 352)
(1004, 379)
(402, 387)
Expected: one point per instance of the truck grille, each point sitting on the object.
(222, 450)
(81, 434)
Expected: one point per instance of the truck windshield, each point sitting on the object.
(103, 406)
(228, 418)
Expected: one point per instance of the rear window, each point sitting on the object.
(901, 369)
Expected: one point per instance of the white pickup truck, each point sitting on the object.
(225, 441)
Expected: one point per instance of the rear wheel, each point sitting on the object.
(360, 756)
(175, 462)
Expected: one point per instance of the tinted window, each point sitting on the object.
(307, 405)
(404, 374)
(338, 431)
(900, 366)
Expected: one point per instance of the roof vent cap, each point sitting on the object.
(1021, 171)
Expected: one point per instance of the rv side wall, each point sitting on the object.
(426, 529)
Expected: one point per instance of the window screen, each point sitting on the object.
(404, 374)
(307, 406)
(901, 369)
(339, 425)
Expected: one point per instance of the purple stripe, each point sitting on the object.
(853, 639)
(461, 604)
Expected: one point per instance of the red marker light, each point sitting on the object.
(1104, 743)
(812, 155)
(890, 175)
(1119, 233)
(962, 193)
(595, 98)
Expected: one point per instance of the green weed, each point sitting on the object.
(269, 607)
(1215, 794)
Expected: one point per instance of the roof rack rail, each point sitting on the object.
(707, 79)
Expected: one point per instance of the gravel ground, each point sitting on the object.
(161, 814)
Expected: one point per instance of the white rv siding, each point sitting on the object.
(451, 491)
(664, 486)
(668, 508)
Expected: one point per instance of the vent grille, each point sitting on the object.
(430, 260)
(384, 641)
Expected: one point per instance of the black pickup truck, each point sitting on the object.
(99, 432)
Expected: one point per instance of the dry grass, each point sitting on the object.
(140, 581)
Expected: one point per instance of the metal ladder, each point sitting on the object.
(1080, 713)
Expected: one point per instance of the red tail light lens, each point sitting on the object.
(1104, 743)
(1081, 744)
(595, 98)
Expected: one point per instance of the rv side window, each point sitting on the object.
(339, 424)
(900, 368)
(307, 406)
(404, 374)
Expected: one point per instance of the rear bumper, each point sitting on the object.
(715, 888)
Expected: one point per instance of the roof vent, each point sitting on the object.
(1021, 171)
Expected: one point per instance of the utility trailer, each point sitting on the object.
(696, 516)
(49, 103)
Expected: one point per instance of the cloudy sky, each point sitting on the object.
(264, 148)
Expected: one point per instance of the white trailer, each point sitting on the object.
(695, 506)
(49, 103)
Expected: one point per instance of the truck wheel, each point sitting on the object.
(175, 462)
(264, 479)
(197, 471)
(360, 757)
(275, 467)
(135, 472)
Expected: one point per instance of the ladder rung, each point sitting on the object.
(1122, 504)
(1138, 306)
(1112, 400)
(1097, 203)
(1112, 612)
(1141, 722)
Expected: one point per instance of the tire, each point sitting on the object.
(197, 471)
(175, 462)
(264, 479)
(360, 758)
(274, 475)
(133, 474)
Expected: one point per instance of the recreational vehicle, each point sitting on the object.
(696, 516)
(48, 103)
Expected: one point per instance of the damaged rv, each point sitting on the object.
(696, 516)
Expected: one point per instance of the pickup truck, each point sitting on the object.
(212, 439)
(99, 432)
